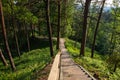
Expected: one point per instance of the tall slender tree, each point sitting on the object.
(58, 27)
(14, 26)
(5, 38)
(47, 5)
(115, 10)
(27, 36)
(84, 32)
(96, 29)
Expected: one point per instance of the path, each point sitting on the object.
(68, 69)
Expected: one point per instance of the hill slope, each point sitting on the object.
(97, 65)
(30, 62)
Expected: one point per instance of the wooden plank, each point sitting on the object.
(54, 73)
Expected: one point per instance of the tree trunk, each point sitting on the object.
(65, 16)
(5, 38)
(3, 58)
(84, 32)
(15, 32)
(58, 27)
(49, 26)
(115, 67)
(39, 30)
(16, 40)
(31, 25)
(96, 29)
(27, 36)
(113, 45)
(112, 42)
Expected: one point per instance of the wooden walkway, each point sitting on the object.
(64, 68)
(70, 70)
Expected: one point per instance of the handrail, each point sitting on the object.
(55, 70)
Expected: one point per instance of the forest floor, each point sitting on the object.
(36, 60)
(43, 74)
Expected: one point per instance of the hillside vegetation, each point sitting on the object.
(29, 62)
(98, 65)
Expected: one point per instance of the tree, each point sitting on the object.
(5, 38)
(67, 10)
(93, 12)
(3, 58)
(96, 29)
(114, 59)
(58, 27)
(27, 36)
(14, 26)
(115, 14)
(47, 4)
(84, 32)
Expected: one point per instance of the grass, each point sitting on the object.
(96, 65)
(30, 62)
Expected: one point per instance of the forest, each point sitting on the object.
(30, 32)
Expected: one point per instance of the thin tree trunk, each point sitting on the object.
(96, 30)
(39, 30)
(16, 40)
(15, 32)
(33, 30)
(88, 32)
(112, 42)
(5, 38)
(115, 67)
(28, 42)
(113, 45)
(49, 26)
(58, 27)
(3, 58)
(84, 33)
(65, 17)
(31, 25)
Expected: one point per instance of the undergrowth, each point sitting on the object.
(29, 63)
(96, 65)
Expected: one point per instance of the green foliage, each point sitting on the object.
(30, 13)
(67, 12)
(109, 26)
(93, 65)
(114, 59)
(30, 62)
(26, 16)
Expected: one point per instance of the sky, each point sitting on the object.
(108, 2)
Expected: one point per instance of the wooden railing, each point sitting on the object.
(55, 70)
